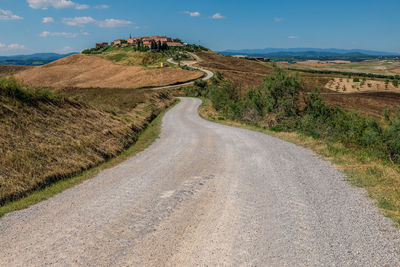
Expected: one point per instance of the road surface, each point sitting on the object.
(209, 74)
(205, 194)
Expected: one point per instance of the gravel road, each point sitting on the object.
(205, 194)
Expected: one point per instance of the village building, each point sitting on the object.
(102, 45)
(147, 40)
(118, 42)
(174, 44)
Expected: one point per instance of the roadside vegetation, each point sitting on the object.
(52, 135)
(369, 147)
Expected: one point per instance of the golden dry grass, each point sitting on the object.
(44, 142)
(84, 71)
(6, 70)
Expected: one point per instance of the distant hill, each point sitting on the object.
(32, 60)
(308, 52)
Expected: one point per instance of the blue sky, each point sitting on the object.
(30, 26)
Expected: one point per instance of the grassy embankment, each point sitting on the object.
(365, 148)
(51, 140)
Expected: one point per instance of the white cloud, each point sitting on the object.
(102, 6)
(2, 45)
(67, 48)
(16, 46)
(107, 23)
(8, 15)
(78, 21)
(217, 16)
(293, 37)
(113, 23)
(277, 20)
(45, 4)
(81, 7)
(47, 20)
(193, 14)
(58, 34)
(84, 33)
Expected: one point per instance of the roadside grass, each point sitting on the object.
(380, 178)
(145, 139)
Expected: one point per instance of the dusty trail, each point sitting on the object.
(206, 194)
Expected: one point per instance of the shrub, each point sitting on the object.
(392, 135)
(218, 75)
(356, 80)
(283, 90)
(200, 83)
(193, 91)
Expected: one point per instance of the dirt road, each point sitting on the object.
(205, 194)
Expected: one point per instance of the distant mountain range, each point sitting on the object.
(308, 52)
(32, 60)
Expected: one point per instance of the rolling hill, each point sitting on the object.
(32, 60)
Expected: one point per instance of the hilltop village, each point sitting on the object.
(150, 42)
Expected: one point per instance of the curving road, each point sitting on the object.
(209, 74)
(205, 194)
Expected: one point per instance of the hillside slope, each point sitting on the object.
(85, 71)
(246, 73)
(45, 138)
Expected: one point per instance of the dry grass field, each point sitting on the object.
(247, 74)
(6, 70)
(385, 67)
(346, 85)
(46, 136)
(83, 71)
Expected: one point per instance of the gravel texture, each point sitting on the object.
(205, 194)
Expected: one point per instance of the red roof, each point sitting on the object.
(174, 44)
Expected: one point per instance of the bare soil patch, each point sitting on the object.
(83, 71)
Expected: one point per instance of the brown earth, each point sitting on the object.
(371, 103)
(48, 140)
(83, 71)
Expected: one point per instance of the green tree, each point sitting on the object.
(153, 45)
(159, 45)
(283, 90)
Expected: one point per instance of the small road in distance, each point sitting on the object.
(209, 74)
(206, 194)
